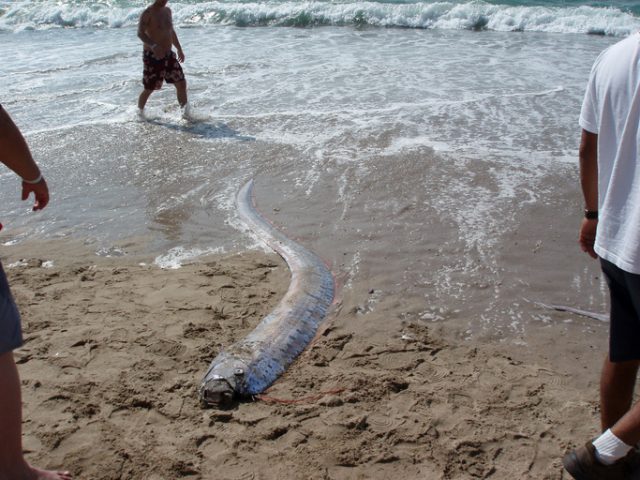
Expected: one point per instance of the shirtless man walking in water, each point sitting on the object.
(155, 29)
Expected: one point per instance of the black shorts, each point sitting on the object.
(624, 336)
(10, 330)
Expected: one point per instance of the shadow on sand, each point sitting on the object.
(203, 129)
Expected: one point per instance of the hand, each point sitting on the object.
(40, 191)
(587, 236)
(180, 55)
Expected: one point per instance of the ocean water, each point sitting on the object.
(427, 134)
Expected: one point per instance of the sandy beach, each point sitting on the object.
(115, 350)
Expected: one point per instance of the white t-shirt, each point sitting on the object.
(611, 108)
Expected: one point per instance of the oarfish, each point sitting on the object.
(250, 365)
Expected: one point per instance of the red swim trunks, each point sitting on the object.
(156, 71)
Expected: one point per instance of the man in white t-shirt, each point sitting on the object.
(610, 180)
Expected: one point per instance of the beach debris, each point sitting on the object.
(603, 317)
(250, 365)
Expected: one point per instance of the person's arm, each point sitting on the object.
(15, 154)
(589, 185)
(176, 42)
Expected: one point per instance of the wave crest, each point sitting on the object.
(473, 15)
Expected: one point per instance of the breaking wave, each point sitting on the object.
(448, 15)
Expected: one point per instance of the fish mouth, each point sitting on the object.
(218, 391)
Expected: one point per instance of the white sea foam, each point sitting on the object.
(20, 263)
(178, 256)
(472, 15)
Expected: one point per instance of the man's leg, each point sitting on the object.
(627, 428)
(617, 383)
(10, 416)
(620, 420)
(12, 463)
(605, 456)
(181, 91)
(620, 368)
(144, 96)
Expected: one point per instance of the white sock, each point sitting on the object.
(610, 448)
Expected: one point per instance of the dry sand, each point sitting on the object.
(115, 351)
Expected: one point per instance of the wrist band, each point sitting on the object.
(33, 182)
(591, 214)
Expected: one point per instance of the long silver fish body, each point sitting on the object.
(250, 365)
